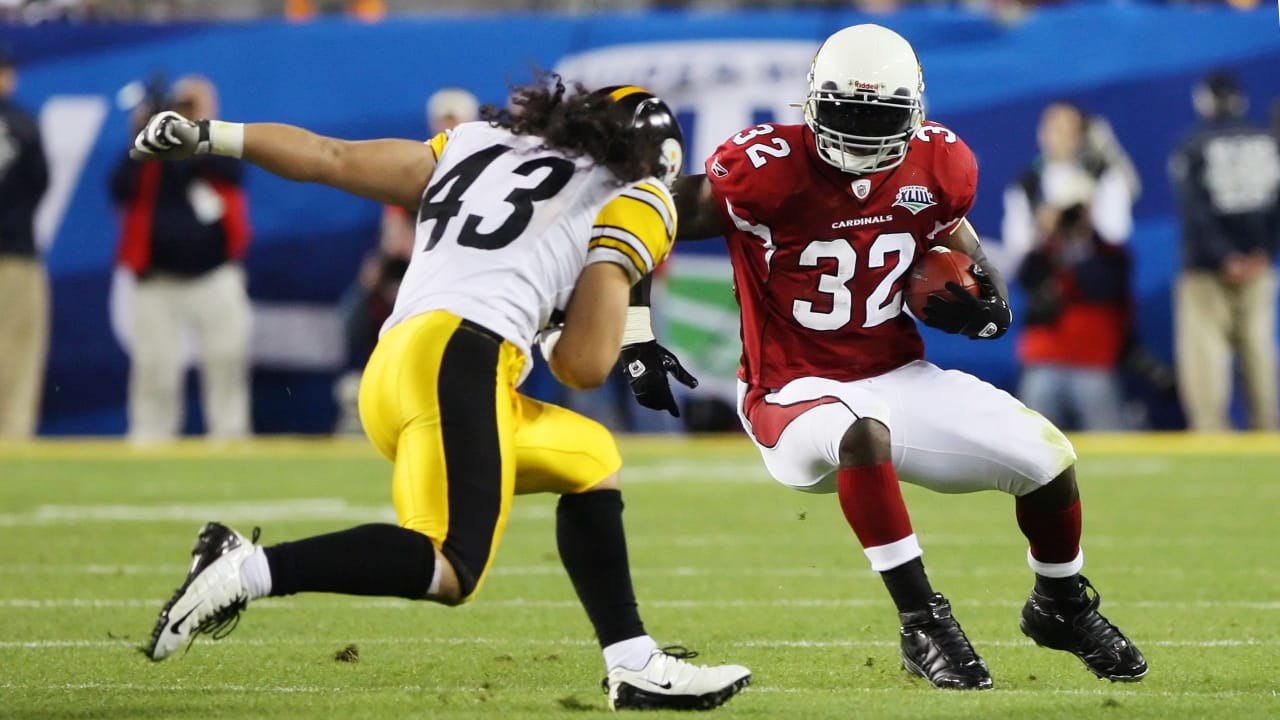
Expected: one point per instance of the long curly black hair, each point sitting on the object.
(580, 123)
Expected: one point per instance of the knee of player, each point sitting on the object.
(452, 583)
(1060, 492)
(866, 442)
(613, 482)
(448, 586)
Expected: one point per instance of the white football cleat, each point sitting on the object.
(211, 598)
(668, 682)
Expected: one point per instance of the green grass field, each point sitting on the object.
(1180, 537)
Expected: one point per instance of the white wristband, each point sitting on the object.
(639, 327)
(226, 138)
(547, 340)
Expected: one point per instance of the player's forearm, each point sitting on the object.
(965, 239)
(594, 325)
(389, 171)
(695, 207)
(981, 260)
(292, 152)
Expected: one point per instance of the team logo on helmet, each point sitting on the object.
(672, 160)
(914, 198)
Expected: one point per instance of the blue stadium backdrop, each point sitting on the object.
(1132, 63)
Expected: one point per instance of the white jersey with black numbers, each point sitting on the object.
(505, 227)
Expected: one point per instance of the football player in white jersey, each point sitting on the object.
(555, 208)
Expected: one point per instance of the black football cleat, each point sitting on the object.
(935, 648)
(1074, 624)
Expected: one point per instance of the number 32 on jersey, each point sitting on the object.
(881, 304)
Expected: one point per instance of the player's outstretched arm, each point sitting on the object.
(390, 171)
(696, 208)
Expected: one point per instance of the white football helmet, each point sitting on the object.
(865, 99)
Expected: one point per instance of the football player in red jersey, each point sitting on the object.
(822, 222)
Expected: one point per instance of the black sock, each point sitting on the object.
(593, 549)
(1058, 588)
(376, 559)
(908, 586)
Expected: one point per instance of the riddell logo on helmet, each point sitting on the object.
(866, 85)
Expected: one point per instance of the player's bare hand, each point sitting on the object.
(170, 136)
(647, 366)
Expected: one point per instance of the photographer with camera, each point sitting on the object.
(185, 229)
(1069, 215)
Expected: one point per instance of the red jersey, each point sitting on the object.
(820, 256)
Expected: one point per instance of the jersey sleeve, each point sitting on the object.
(753, 172)
(437, 143)
(635, 230)
(956, 171)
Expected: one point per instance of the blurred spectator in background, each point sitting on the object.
(304, 10)
(368, 302)
(1070, 140)
(1069, 216)
(185, 230)
(24, 286)
(1227, 176)
(449, 107)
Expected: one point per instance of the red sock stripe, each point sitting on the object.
(1055, 535)
(872, 503)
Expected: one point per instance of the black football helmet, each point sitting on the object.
(649, 111)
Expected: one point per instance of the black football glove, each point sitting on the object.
(984, 318)
(647, 365)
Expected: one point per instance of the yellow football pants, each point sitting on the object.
(438, 398)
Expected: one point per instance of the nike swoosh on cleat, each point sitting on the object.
(665, 686)
(176, 628)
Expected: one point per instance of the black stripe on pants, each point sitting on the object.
(473, 460)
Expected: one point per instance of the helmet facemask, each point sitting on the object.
(863, 132)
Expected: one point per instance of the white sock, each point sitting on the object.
(632, 654)
(256, 574)
(1056, 570)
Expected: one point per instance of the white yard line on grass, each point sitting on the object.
(570, 642)
(1012, 569)
(397, 604)
(246, 511)
(1138, 694)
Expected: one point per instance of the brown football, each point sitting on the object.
(930, 274)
